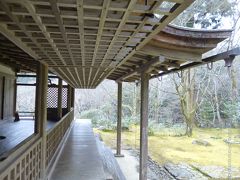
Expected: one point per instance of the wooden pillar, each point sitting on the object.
(41, 112)
(73, 97)
(15, 95)
(3, 97)
(69, 98)
(59, 98)
(144, 126)
(119, 120)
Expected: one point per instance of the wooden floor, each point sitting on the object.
(16, 132)
(80, 159)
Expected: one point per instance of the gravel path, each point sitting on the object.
(155, 171)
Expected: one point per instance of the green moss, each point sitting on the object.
(107, 130)
(164, 148)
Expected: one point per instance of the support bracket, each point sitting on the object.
(229, 60)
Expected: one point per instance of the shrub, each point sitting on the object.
(107, 124)
(93, 114)
(151, 128)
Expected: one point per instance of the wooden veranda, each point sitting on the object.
(84, 42)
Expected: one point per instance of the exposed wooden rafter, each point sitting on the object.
(118, 31)
(162, 22)
(106, 4)
(87, 41)
(59, 20)
(147, 67)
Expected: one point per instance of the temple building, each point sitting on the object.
(63, 45)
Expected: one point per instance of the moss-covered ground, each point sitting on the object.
(164, 147)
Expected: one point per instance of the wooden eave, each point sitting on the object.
(84, 41)
(14, 57)
(177, 46)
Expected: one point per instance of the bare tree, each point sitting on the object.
(185, 91)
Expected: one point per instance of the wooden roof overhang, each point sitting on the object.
(87, 41)
(82, 41)
(172, 48)
(228, 56)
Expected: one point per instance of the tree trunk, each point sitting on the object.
(156, 104)
(234, 94)
(137, 100)
(189, 130)
(234, 84)
(220, 122)
(185, 90)
(134, 102)
(214, 119)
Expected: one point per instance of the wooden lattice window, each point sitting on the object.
(64, 97)
(52, 97)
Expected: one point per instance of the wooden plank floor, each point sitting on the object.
(80, 159)
(16, 132)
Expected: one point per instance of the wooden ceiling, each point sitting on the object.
(85, 41)
(14, 57)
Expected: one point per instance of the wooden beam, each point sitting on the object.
(143, 68)
(144, 126)
(59, 20)
(140, 26)
(88, 33)
(106, 4)
(119, 120)
(59, 98)
(101, 77)
(171, 54)
(69, 98)
(118, 31)
(171, 64)
(80, 18)
(15, 95)
(161, 68)
(165, 20)
(11, 36)
(38, 21)
(217, 57)
(60, 73)
(3, 96)
(15, 62)
(15, 19)
(47, 36)
(73, 97)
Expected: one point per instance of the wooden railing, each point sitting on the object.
(26, 114)
(24, 163)
(25, 166)
(56, 134)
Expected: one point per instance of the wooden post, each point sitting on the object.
(69, 98)
(15, 95)
(3, 96)
(59, 98)
(41, 112)
(73, 97)
(119, 120)
(144, 126)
